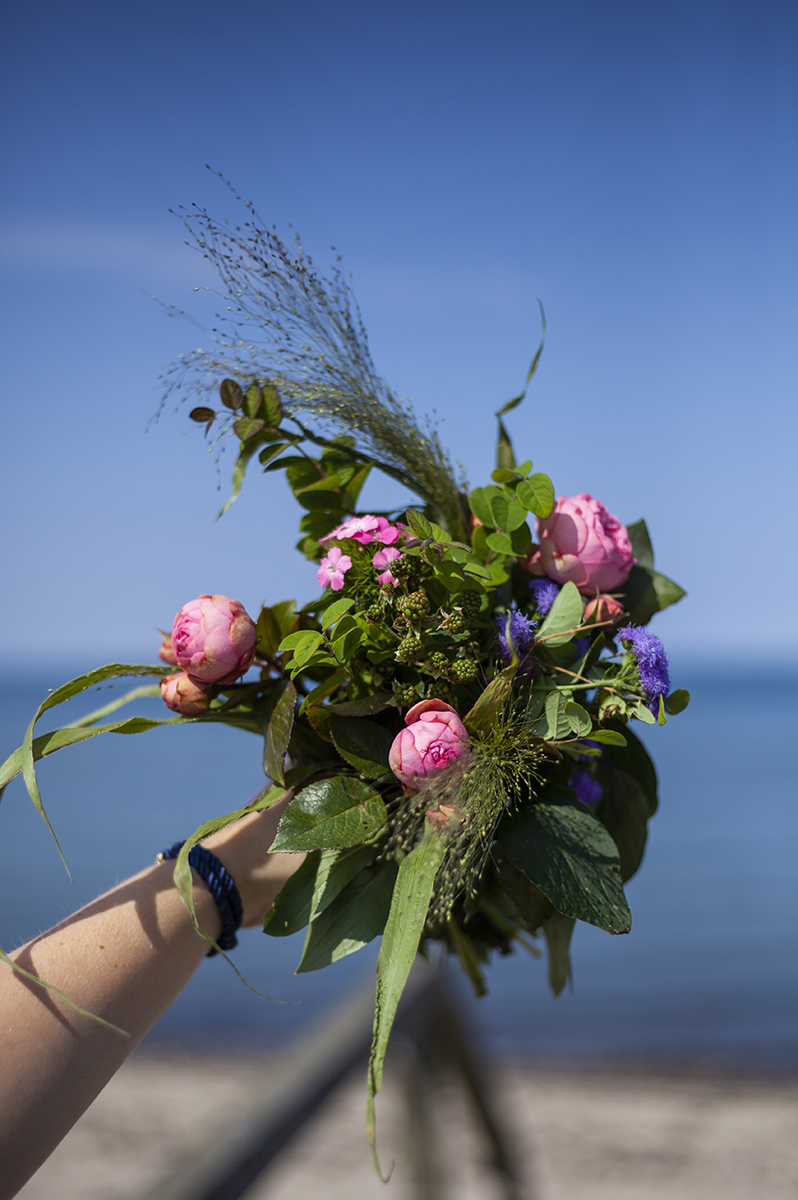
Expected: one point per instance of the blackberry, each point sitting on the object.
(439, 689)
(464, 670)
(415, 606)
(470, 603)
(405, 695)
(456, 622)
(438, 661)
(409, 649)
(402, 567)
(374, 612)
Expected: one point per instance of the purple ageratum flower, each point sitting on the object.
(588, 790)
(652, 662)
(544, 593)
(518, 633)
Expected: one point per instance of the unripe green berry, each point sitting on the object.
(470, 603)
(415, 606)
(374, 612)
(464, 670)
(456, 622)
(409, 649)
(439, 661)
(439, 689)
(405, 695)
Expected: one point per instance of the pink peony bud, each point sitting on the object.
(183, 694)
(435, 736)
(213, 638)
(581, 541)
(605, 608)
(166, 651)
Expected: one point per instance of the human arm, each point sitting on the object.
(125, 957)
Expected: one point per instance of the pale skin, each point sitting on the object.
(124, 957)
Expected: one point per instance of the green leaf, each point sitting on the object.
(578, 718)
(532, 905)
(559, 726)
(336, 610)
(252, 399)
(516, 400)
(641, 544)
(246, 428)
(500, 543)
(331, 814)
(419, 524)
(508, 512)
(569, 855)
(505, 455)
(312, 888)
(635, 759)
(565, 615)
(303, 641)
(479, 503)
(537, 493)
(272, 408)
(269, 453)
(231, 394)
(521, 540)
(642, 712)
(647, 592)
(492, 701)
(409, 906)
(354, 918)
(202, 416)
(624, 810)
(677, 701)
(557, 931)
(608, 737)
(364, 706)
(277, 731)
(364, 744)
(667, 591)
(661, 718)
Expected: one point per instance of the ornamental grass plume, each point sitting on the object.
(652, 662)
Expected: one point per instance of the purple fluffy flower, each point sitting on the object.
(652, 662)
(588, 790)
(544, 593)
(518, 635)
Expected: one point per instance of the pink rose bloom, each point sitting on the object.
(365, 530)
(213, 638)
(434, 738)
(183, 694)
(381, 561)
(605, 608)
(166, 651)
(582, 542)
(332, 569)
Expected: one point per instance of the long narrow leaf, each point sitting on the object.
(411, 898)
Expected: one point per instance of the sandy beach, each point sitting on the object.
(599, 1134)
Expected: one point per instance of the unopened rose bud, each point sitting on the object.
(167, 652)
(435, 736)
(184, 695)
(213, 638)
(604, 608)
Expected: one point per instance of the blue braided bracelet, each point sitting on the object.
(221, 886)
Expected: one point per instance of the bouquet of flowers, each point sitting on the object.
(453, 712)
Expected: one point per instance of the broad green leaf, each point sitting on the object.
(272, 408)
(252, 399)
(500, 543)
(624, 810)
(677, 701)
(564, 616)
(667, 591)
(537, 493)
(409, 906)
(578, 718)
(329, 815)
(569, 855)
(231, 394)
(364, 744)
(479, 502)
(354, 918)
(323, 689)
(641, 544)
(313, 887)
(202, 415)
(277, 730)
(492, 701)
(559, 726)
(508, 513)
(268, 632)
(608, 737)
(364, 706)
(647, 592)
(336, 610)
(355, 486)
(642, 712)
(634, 758)
(246, 429)
(532, 905)
(558, 930)
(269, 453)
(302, 637)
(419, 524)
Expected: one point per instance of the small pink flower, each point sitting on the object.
(332, 569)
(382, 559)
(184, 695)
(213, 638)
(435, 737)
(604, 608)
(365, 530)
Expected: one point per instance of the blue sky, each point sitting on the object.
(632, 165)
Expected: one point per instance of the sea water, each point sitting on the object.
(708, 973)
